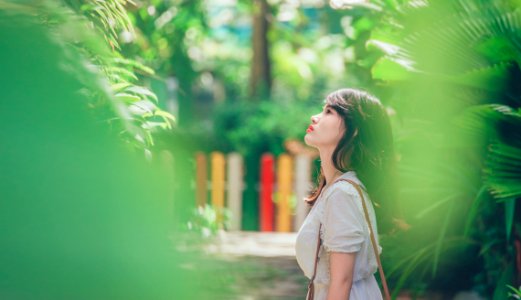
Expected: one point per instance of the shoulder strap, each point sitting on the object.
(373, 240)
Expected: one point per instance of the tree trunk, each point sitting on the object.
(260, 77)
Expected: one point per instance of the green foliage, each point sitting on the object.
(204, 221)
(515, 293)
(450, 71)
(252, 128)
(82, 217)
(136, 105)
(108, 17)
(448, 62)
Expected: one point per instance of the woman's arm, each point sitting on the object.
(341, 267)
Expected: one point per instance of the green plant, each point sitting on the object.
(204, 220)
(515, 292)
(81, 24)
(453, 68)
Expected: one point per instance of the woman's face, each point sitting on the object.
(326, 129)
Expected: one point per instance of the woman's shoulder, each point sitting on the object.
(341, 188)
(344, 186)
(342, 201)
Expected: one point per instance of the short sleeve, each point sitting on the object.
(342, 221)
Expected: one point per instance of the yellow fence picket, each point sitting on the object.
(218, 164)
(284, 192)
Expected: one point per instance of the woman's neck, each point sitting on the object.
(328, 169)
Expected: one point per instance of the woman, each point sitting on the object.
(354, 139)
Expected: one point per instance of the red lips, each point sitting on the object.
(310, 128)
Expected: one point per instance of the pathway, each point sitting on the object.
(262, 266)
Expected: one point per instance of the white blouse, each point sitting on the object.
(344, 229)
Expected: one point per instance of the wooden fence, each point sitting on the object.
(282, 184)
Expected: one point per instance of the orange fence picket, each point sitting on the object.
(284, 183)
(217, 191)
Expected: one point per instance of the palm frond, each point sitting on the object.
(481, 120)
(460, 36)
(502, 173)
(492, 78)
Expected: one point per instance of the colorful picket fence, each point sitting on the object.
(282, 184)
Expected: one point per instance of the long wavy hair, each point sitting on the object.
(366, 148)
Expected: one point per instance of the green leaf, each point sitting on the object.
(134, 64)
(121, 72)
(387, 48)
(498, 49)
(150, 125)
(441, 239)
(481, 120)
(501, 291)
(389, 70)
(127, 98)
(365, 4)
(491, 78)
(503, 171)
(474, 210)
(118, 87)
(517, 292)
(510, 205)
(144, 92)
(169, 118)
(142, 108)
(425, 211)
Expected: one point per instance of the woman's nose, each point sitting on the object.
(314, 119)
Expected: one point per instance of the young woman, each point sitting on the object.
(354, 139)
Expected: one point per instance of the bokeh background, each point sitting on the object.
(105, 104)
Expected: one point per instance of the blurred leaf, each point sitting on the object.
(482, 120)
(503, 171)
(143, 92)
(517, 292)
(507, 276)
(118, 87)
(166, 116)
(389, 70)
(127, 98)
(142, 108)
(491, 78)
(441, 238)
(510, 210)
(134, 64)
(474, 211)
(498, 49)
(122, 72)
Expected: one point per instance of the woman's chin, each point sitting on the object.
(308, 141)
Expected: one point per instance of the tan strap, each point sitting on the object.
(373, 240)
